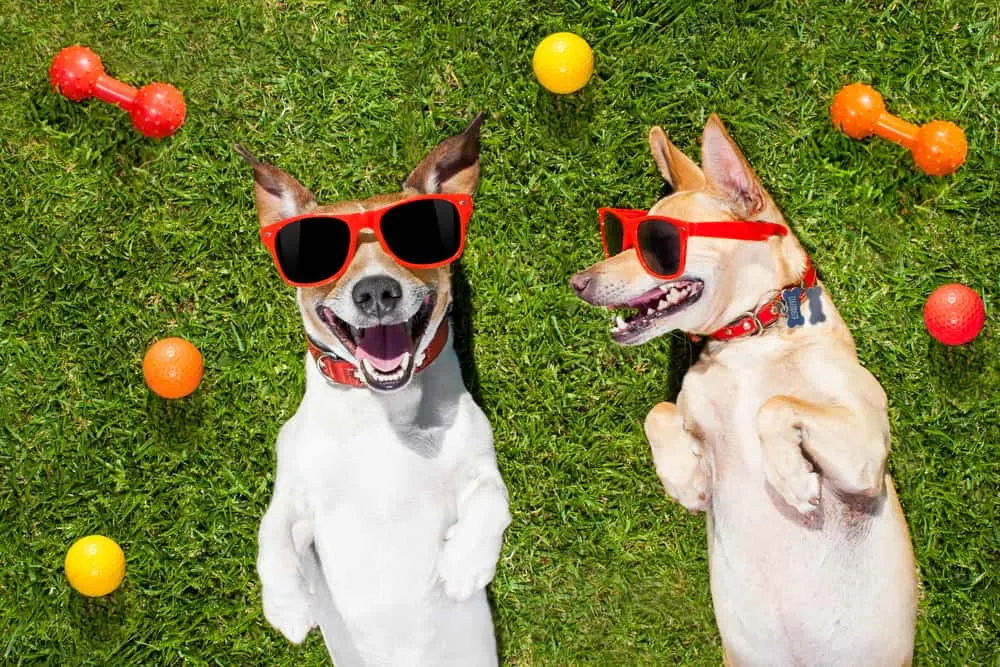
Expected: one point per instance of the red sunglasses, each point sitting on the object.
(423, 232)
(662, 241)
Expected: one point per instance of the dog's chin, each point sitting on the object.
(383, 374)
(648, 315)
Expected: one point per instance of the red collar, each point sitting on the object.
(340, 371)
(755, 322)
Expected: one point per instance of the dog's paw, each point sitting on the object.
(468, 561)
(290, 612)
(794, 480)
(694, 492)
(678, 458)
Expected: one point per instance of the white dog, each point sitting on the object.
(388, 510)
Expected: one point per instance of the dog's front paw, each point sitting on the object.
(679, 458)
(290, 611)
(468, 560)
(793, 478)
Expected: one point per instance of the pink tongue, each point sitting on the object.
(384, 346)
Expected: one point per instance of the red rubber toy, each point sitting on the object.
(954, 314)
(157, 109)
(938, 148)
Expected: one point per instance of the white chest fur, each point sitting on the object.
(398, 498)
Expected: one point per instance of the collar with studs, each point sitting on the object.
(339, 371)
(756, 321)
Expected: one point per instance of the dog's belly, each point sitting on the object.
(377, 563)
(379, 515)
(832, 590)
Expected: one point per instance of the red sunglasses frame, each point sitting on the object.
(631, 218)
(370, 220)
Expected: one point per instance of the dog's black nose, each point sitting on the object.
(377, 295)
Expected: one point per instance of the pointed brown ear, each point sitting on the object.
(279, 196)
(677, 169)
(728, 172)
(453, 166)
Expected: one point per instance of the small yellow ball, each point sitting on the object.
(563, 62)
(95, 565)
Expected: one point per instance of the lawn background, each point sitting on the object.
(112, 241)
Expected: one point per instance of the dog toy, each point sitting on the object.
(172, 368)
(95, 565)
(954, 314)
(563, 62)
(157, 109)
(938, 148)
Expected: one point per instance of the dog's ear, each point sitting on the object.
(279, 195)
(728, 172)
(452, 167)
(677, 169)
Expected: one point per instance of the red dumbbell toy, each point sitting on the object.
(157, 109)
(938, 148)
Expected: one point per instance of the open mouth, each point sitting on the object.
(659, 302)
(385, 352)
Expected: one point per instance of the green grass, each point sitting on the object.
(111, 241)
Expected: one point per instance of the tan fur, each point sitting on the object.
(780, 438)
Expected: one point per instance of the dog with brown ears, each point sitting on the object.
(388, 510)
(778, 433)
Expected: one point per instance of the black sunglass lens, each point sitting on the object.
(614, 234)
(312, 249)
(426, 231)
(660, 245)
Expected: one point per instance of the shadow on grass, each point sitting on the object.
(461, 318)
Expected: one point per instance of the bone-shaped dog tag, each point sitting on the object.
(814, 294)
(791, 298)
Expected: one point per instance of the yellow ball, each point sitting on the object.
(563, 62)
(95, 565)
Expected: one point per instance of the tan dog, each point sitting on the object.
(781, 437)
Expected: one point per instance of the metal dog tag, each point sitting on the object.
(791, 298)
(814, 294)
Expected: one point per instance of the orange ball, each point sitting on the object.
(939, 148)
(172, 368)
(856, 110)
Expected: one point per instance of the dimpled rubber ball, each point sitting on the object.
(74, 71)
(954, 314)
(158, 110)
(856, 110)
(563, 63)
(172, 368)
(95, 565)
(939, 148)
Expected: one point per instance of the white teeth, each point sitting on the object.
(619, 322)
(664, 288)
(662, 305)
(382, 376)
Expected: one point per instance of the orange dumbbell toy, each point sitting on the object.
(938, 148)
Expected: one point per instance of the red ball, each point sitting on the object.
(954, 314)
(158, 110)
(74, 72)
